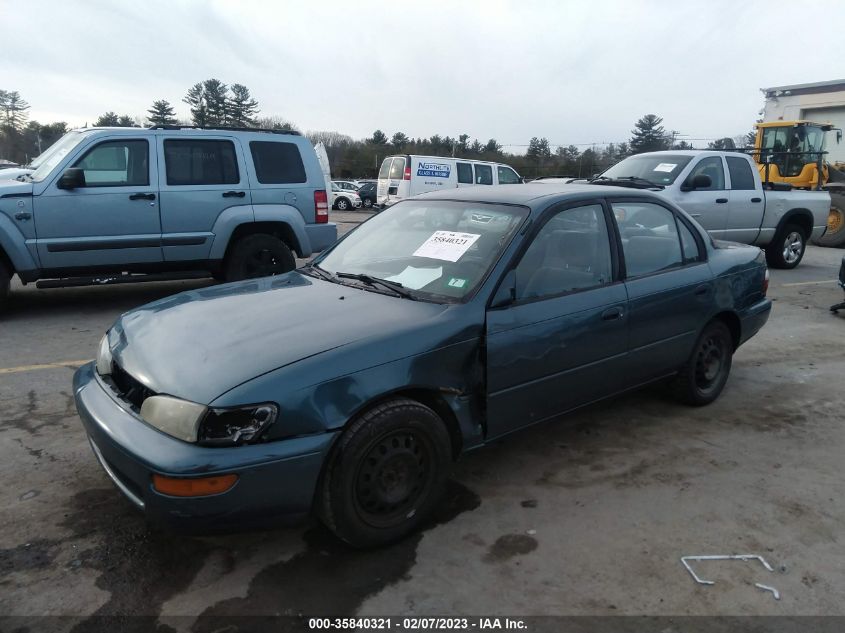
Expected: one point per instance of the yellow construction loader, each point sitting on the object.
(793, 152)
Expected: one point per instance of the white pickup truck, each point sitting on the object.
(724, 192)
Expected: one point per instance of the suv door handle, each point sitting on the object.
(721, 200)
(612, 314)
(142, 196)
(234, 194)
(23, 215)
(756, 199)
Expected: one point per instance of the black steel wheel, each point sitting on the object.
(704, 375)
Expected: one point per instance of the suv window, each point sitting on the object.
(507, 176)
(649, 237)
(116, 164)
(741, 175)
(571, 252)
(712, 167)
(201, 162)
(465, 173)
(277, 162)
(483, 174)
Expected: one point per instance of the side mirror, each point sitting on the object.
(506, 292)
(72, 178)
(701, 181)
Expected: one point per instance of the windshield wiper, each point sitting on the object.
(627, 181)
(394, 286)
(322, 274)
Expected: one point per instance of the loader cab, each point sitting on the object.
(791, 152)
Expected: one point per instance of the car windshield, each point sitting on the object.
(55, 153)
(661, 169)
(438, 250)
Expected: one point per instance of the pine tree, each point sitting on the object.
(109, 119)
(161, 113)
(197, 102)
(648, 135)
(399, 141)
(378, 138)
(242, 107)
(13, 110)
(216, 102)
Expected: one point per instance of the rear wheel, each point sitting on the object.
(835, 234)
(704, 375)
(5, 282)
(342, 204)
(787, 249)
(368, 203)
(386, 473)
(258, 255)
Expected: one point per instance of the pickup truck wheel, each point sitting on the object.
(385, 474)
(704, 375)
(787, 249)
(5, 282)
(342, 204)
(835, 234)
(258, 255)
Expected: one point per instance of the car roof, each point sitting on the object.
(535, 195)
(280, 135)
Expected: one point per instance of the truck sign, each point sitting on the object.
(433, 170)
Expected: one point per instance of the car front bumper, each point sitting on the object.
(276, 480)
(754, 318)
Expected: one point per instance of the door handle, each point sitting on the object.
(721, 200)
(23, 215)
(142, 196)
(702, 290)
(612, 314)
(234, 194)
(756, 199)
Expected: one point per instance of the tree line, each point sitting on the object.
(214, 103)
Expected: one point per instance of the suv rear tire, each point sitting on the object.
(788, 247)
(5, 282)
(258, 255)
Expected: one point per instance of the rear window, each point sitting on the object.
(385, 169)
(201, 162)
(277, 162)
(741, 175)
(397, 169)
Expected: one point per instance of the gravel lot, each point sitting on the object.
(588, 515)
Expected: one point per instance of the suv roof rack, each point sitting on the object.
(224, 127)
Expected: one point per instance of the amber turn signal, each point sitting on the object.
(193, 486)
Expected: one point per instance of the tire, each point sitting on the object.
(835, 234)
(787, 249)
(342, 204)
(258, 255)
(5, 282)
(368, 203)
(385, 474)
(704, 375)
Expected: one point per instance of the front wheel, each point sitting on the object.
(704, 375)
(258, 255)
(386, 473)
(368, 203)
(787, 249)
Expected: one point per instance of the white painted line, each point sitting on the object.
(810, 283)
(68, 363)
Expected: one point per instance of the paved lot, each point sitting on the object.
(588, 515)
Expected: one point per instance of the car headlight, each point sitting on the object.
(176, 417)
(241, 425)
(104, 358)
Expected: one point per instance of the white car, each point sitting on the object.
(347, 185)
(343, 200)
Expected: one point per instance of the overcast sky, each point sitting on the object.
(574, 72)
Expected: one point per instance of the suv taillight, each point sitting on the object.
(321, 207)
(407, 173)
(766, 282)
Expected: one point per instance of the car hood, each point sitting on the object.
(199, 344)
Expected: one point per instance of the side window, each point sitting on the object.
(277, 162)
(200, 162)
(742, 177)
(649, 237)
(507, 176)
(483, 174)
(571, 252)
(712, 167)
(397, 169)
(116, 164)
(692, 253)
(465, 173)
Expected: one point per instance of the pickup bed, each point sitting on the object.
(724, 193)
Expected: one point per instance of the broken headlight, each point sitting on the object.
(241, 425)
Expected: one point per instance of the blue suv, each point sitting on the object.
(134, 204)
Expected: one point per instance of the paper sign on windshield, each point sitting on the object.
(665, 167)
(446, 245)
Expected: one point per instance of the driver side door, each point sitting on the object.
(557, 344)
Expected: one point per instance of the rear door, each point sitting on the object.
(397, 189)
(201, 177)
(383, 182)
(709, 206)
(114, 219)
(561, 343)
(746, 207)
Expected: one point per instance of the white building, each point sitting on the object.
(820, 102)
